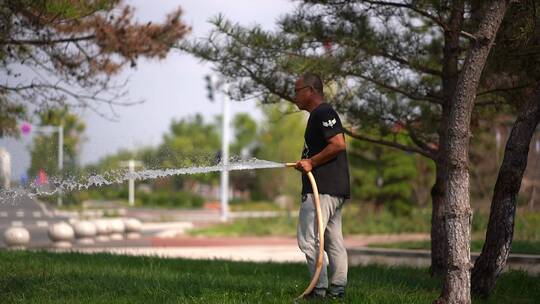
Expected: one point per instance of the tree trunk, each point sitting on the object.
(438, 235)
(456, 210)
(451, 53)
(503, 205)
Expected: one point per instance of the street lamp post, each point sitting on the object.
(5, 169)
(225, 158)
(225, 138)
(131, 166)
(60, 160)
(131, 179)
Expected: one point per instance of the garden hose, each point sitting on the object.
(320, 257)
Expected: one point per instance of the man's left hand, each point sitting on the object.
(304, 165)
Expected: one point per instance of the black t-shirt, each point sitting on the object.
(332, 177)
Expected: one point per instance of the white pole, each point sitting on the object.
(497, 144)
(60, 159)
(131, 166)
(5, 169)
(225, 158)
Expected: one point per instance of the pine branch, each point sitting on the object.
(411, 7)
(488, 103)
(78, 96)
(399, 90)
(414, 66)
(268, 86)
(416, 139)
(506, 89)
(391, 144)
(46, 41)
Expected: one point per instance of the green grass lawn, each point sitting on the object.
(355, 221)
(518, 246)
(41, 277)
(359, 219)
(280, 226)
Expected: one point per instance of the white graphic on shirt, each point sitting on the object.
(330, 123)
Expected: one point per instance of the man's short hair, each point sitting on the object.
(313, 80)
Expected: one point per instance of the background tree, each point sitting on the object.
(245, 133)
(515, 69)
(66, 53)
(10, 113)
(485, 154)
(388, 177)
(191, 142)
(281, 139)
(496, 249)
(44, 150)
(242, 147)
(113, 162)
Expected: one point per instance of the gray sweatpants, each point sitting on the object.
(308, 241)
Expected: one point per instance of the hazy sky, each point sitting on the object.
(172, 88)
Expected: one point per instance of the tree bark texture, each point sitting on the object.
(451, 52)
(500, 229)
(438, 235)
(457, 211)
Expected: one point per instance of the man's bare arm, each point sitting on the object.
(335, 145)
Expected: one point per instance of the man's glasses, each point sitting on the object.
(296, 90)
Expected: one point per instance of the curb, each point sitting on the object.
(422, 258)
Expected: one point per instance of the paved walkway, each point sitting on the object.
(258, 249)
(353, 241)
(282, 249)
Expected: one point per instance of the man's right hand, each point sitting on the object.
(304, 165)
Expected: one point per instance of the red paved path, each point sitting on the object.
(354, 241)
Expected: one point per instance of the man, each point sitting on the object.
(324, 155)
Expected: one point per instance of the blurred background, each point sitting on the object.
(167, 113)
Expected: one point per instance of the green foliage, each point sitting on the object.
(243, 205)
(243, 146)
(168, 199)
(160, 198)
(65, 53)
(281, 139)
(44, 151)
(71, 9)
(388, 177)
(191, 142)
(527, 225)
(485, 159)
(245, 131)
(356, 220)
(117, 192)
(10, 113)
(367, 219)
(513, 69)
(363, 219)
(280, 226)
